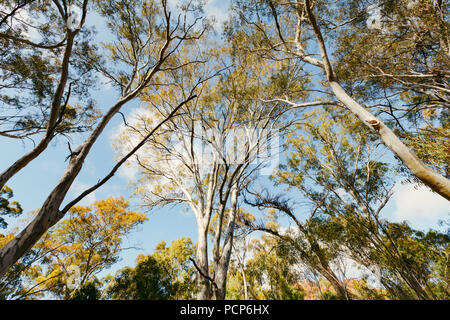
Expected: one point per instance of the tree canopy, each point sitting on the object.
(285, 131)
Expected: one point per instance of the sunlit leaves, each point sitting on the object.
(90, 240)
(165, 274)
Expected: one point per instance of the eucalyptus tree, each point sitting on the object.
(166, 274)
(336, 166)
(267, 273)
(42, 68)
(148, 38)
(412, 69)
(206, 155)
(67, 258)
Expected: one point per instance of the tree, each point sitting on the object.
(237, 284)
(89, 291)
(8, 208)
(68, 257)
(177, 261)
(296, 31)
(14, 284)
(210, 151)
(39, 79)
(147, 42)
(305, 242)
(404, 76)
(333, 164)
(409, 263)
(166, 274)
(146, 282)
(270, 273)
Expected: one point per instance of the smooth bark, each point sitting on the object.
(427, 175)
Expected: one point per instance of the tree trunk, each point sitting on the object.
(222, 264)
(244, 282)
(49, 214)
(204, 284)
(337, 285)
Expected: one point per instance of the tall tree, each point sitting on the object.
(210, 152)
(269, 273)
(148, 39)
(166, 274)
(39, 78)
(335, 165)
(298, 30)
(305, 242)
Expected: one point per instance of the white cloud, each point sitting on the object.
(374, 20)
(105, 81)
(216, 9)
(128, 171)
(77, 188)
(419, 206)
(412, 3)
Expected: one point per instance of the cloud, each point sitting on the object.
(128, 171)
(419, 206)
(374, 20)
(77, 188)
(217, 9)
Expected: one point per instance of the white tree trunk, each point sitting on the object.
(204, 292)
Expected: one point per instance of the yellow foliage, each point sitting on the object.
(88, 239)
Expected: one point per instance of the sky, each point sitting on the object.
(417, 205)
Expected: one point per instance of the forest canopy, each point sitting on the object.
(241, 150)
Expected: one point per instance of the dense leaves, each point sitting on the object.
(76, 249)
(7, 207)
(165, 274)
(346, 99)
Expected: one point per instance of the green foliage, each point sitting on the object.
(166, 274)
(331, 162)
(147, 281)
(15, 283)
(270, 274)
(89, 240)
(89, 291)
(400, 67)
(7, 207)
(329, 296)
(395, 68)
(31, 58)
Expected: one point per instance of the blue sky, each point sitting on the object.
(31, 186)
